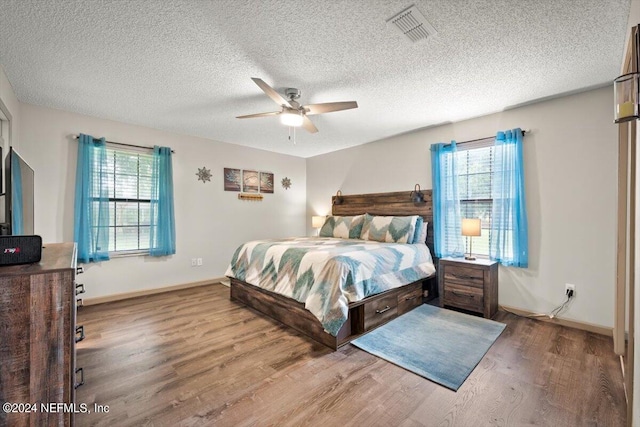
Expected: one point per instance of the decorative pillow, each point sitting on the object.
(355, 228)
(390, 229)
(416, 235)
(420, 236)
(344, 227)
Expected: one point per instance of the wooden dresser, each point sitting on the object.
(469, 285)
(38, 336)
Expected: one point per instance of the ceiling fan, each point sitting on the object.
(294, 114)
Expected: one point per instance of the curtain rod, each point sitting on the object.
(126, 145)
(486, 137)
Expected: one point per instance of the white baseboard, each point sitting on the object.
(589, 327)
(153, 291)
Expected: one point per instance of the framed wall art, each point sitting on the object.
(250, 181)
(232, 179)
(266, 182)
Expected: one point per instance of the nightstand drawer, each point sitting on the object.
(467, 276)
(410, 299)
(379, 311)
(467, 297)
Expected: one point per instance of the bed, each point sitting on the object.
(349, 286)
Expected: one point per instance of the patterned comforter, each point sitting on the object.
(326, 274)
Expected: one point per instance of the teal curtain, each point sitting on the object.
(509, 229)
(17, 226)
(447, 219)
(162, 231)
(91, 222)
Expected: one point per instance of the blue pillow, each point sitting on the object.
(416, 235)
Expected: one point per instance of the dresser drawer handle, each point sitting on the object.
(79, 330)
(79, 270)
(410, 298)
(460, 294)
(80, 288)
(387, 308)
(79, 302)
(78, 384)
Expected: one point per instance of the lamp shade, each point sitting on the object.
(317, 221)
(289, 118)
(471, 226)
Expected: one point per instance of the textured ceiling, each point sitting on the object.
(185, 66)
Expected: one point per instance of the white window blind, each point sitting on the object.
(129, 191)
(474, 162)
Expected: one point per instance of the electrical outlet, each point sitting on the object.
(199, 262)
(193, 262)
(569, 287)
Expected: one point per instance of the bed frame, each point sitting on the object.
(364, 315)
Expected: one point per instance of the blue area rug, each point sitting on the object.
(441, 345)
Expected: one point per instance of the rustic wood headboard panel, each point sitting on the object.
(395, 203)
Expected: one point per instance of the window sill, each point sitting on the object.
(126, 254)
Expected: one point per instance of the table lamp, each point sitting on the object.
(470, 228)
(317, 221)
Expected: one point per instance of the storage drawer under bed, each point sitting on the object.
(380, 310)
(410, 298)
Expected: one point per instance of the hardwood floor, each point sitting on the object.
(192, 357)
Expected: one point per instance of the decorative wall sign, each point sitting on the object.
(250, 181)
(266, 182)
(204, 174)
(286, 183)
(251, 197)
(232, 179)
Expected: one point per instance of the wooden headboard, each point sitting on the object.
(396, 203)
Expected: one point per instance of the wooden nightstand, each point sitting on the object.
(469, 285)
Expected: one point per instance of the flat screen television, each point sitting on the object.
(19, 195)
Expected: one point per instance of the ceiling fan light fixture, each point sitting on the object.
(291, 118)
(293, 114)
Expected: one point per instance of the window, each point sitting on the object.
(129, 175)
(123, 201)
(481, 179)
(474, 162)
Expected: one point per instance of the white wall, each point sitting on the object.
(570, 171)
(210, 222)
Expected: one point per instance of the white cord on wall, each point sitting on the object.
(556, 312)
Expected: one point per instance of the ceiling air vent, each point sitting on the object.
(412, 24)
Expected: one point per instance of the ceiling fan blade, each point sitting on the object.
(271, 93)
(250, 116)
(308, 125)
(329, 107)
